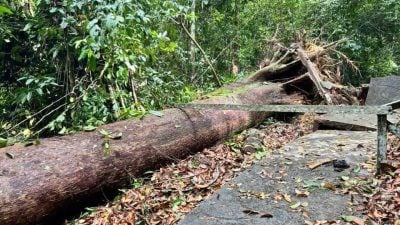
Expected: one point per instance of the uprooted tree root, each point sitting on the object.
(308, 67)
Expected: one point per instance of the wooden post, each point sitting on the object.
(382, 140)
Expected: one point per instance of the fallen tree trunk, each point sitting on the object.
(43, 180)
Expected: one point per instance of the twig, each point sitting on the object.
(200, 186)
(348, 61)
(44, 108)
(202, 51)
(76, 101)
(335, 43)
(282, 58)
(215, 178)
(296, 79)
(220, 53)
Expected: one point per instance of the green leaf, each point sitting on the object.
(106, 148)
(177, 202)
(39, 91)
(89, 128)
(83, 54)
(392, 174)
(63, 131)
(345, 178)
(357, 169)
(296, 205)
(157, 113)
(28, 81)
(29, 96)
(90, 209)
(61, 117)
(27, 133)
(5, 10)
(137, 183)
(92, 63)
(3, 142)
(116, 136)
(104, 133)
(92, 23)
(64, 24)
(311, 185)
(348, 218)
(375, 182)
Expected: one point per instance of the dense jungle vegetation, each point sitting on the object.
(68, 65)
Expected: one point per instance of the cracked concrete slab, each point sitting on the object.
(354, 122)
(383, 90)
(257, 195)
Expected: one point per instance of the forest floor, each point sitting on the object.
(292, 179)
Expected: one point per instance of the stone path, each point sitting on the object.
(266, 192)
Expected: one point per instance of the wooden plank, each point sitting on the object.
(382, 141)
(293, 108)
(394, 104)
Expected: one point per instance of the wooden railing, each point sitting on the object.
(381, 112)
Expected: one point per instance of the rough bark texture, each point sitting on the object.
(43, 180)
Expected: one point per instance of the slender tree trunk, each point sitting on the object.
(192, 44)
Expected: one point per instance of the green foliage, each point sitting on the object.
(4, 10)
(371, 26)
(70, 64)
(78, 63)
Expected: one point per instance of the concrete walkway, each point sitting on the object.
(282, 189)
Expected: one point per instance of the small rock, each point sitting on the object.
(340, 165)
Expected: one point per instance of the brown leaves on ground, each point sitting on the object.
(174, 190)
(383, 206)
(381, 193)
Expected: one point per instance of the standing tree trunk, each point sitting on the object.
(192, 44)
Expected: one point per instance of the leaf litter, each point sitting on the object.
(380, 193)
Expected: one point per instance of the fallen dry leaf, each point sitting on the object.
(250, 212)
(315, 164)
(266, 215)
(328, 185)
(303, 194)
(287, 198)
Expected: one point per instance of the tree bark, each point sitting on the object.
(41, 181)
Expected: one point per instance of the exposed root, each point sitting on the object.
(309, 61)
